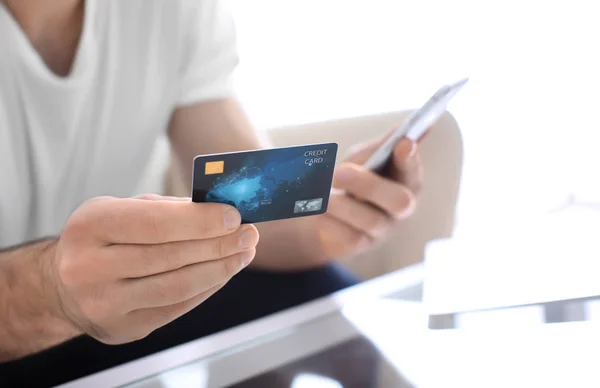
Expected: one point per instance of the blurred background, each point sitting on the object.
(528, 117)
(509, 216)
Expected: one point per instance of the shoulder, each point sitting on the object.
(160, 13)
(145, 27)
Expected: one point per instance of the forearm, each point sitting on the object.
(29, 307)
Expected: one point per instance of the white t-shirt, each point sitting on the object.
(94, 132)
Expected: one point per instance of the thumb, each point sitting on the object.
(158, 197)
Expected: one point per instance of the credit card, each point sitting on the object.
(270, 184)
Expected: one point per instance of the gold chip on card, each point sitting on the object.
(214, 167)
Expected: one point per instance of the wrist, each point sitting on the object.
(53, 305)
(30, 318)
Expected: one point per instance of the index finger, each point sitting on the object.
(393, 198)
(138, 221)
(407, 167)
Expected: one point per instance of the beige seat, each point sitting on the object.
(442, 154)
(434, 218)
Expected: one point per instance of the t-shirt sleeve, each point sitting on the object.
(209, 54)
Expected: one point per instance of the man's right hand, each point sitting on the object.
(125, 267)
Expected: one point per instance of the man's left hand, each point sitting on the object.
(365, 206)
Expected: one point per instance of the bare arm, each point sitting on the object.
(27, 323)
(222, 126)
(122, 268)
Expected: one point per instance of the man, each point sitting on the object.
(90, 277)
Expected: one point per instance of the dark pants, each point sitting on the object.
(248, 296)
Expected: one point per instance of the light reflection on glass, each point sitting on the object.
(309, 380)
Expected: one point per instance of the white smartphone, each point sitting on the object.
(416, 125)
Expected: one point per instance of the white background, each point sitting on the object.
(529, 116)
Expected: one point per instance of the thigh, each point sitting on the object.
(250, 295)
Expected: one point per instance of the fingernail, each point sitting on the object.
(408, 211)
(247, 239)
(344, 175)
(232, 219)
(247, 257)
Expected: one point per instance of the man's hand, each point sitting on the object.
(125, 267)
(365, 206)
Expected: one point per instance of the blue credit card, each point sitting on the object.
(270, 184)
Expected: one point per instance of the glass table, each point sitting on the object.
(376, 334)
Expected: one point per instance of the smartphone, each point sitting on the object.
(416, 125)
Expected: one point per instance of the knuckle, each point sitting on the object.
(87, 218)
(183, 290)
(206, 221)
(79, 224)
(149, 197)
(219, 248)
(375, 224)
(152, 224)
(372, 223)
(96, 205)
(365, 190)
(231, 265)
